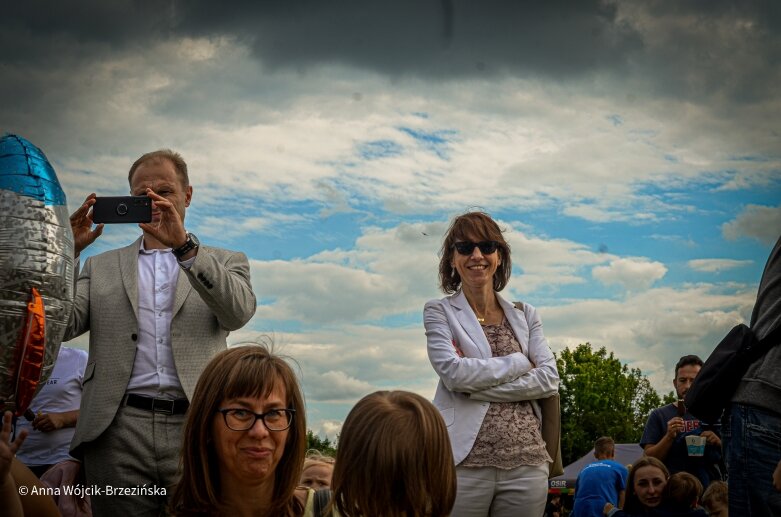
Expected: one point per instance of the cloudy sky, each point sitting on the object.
(631, 150)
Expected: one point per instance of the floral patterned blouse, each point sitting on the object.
(510, 435)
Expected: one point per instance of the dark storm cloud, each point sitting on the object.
(717, 53)
(682, 46)
(712, 48)
(442, 38)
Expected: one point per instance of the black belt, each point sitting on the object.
(166, 406)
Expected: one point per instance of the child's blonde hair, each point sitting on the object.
(715, 496)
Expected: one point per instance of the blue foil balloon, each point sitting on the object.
(36, 270)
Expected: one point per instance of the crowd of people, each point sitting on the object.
(210, 430)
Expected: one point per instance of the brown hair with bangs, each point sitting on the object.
(244, 371)
(477, 226)
(632, 504)
(394, 459)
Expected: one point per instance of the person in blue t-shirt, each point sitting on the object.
(667, 427)
(602, 481)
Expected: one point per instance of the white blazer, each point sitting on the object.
(470, 378)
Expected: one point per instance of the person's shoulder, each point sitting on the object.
(665, 410)
(222, 252)
(618, 467)
(439, 302)
(113, 253)
(527, 307)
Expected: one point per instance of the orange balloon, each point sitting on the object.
(30, 352)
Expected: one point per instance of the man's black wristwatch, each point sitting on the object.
(190, 244)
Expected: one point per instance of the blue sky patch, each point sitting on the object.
(438, 142)
(377, 149)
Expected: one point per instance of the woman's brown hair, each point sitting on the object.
(481, 227)
(394, 459)
(632, 504)
(244, 371)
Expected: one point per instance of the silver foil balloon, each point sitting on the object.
(36, 270)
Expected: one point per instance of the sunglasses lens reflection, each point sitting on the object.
(466, 248)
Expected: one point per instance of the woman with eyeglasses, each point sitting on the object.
(493, 363)
(244, 439)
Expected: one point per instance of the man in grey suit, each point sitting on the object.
(157, 311)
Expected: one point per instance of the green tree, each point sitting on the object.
(670, 398)
(324, 445)
(600, 397)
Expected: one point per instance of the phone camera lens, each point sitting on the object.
(122, 209)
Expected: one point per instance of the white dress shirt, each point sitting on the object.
(154, 372)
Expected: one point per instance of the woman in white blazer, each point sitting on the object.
(493, 362)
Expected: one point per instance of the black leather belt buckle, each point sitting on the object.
(163, 406)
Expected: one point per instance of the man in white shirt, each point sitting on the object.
(157, 311)
(56, 410)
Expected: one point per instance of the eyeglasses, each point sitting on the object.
(242, 419)
(466, 248)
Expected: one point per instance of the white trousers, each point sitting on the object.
(484, 491)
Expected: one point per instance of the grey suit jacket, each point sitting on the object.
(212, 298)
(470, 378)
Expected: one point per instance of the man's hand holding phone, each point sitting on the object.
(81, 224)
(169, 229)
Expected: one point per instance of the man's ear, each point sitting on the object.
(188, 195)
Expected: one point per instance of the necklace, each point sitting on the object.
(480, 319)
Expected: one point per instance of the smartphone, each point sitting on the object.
(122, 209)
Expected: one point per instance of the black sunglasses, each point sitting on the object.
(466, 248)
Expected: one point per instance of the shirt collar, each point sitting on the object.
(142, 249)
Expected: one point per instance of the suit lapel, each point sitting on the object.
(466, 317)
(128, 266)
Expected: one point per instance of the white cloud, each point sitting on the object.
(272, 223)
(632, 273)
(517, 143)
(717, 265)
(329, 428)
(652, 329)
(394, 271)
(549, 262)
(759, 222)
(336, 386)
